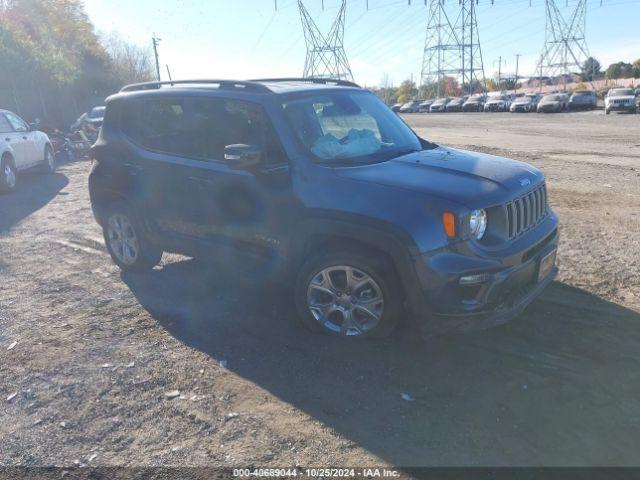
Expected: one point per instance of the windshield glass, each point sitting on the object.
(581, 93)
(349, 126)
(621, 91)
(552, 98)
(96, 112)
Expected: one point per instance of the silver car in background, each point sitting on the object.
(440, 105)
(475, 103)
(620, 100)
(526, 103)
(553, 103)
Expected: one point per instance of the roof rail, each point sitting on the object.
(249, 85)
(336, 81)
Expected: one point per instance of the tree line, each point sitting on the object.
(54, 64)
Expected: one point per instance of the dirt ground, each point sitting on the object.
(97, 351)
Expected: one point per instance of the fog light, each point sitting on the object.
(473, 279)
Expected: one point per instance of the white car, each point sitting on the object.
(620, 100)
(21, 147)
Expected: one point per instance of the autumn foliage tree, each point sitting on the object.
(53, 63)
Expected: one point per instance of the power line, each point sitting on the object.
(326, 57)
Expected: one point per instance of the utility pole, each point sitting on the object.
(515, 86)
(155, 41)
(500, 72)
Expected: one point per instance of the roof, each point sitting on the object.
(267, 85)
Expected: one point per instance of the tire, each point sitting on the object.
(8, 175)
(322, 279)
(126, 241)
(49, 164)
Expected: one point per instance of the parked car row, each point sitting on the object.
(617, 99)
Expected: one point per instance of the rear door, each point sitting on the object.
(18, 138)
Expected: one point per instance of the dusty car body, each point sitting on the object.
(553, 103)
(440, 105)
(526, 103)
(475, 103)
(497, 103)
(426, 105)
(455, 104)
(410, 107)
(583, 100)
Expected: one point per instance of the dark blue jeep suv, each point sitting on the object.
(317, 181)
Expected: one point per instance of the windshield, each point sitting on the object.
(552, 98)
(497, 98)
(97, 112)
(355, 127)
(581, 93)
(621, 92)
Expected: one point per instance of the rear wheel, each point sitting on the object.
(8, 174)
(126, 242)
(347, 294)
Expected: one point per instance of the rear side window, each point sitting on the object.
(5, 126)
(197, 127)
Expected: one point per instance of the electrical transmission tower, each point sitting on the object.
(565, 47)
(325, 55)
(452, 47)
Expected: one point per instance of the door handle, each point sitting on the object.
(25, 137)
(7, 139)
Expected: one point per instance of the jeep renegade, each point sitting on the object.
(319, 181)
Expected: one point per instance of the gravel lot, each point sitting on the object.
(97, 351)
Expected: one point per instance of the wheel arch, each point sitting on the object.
(324, 234)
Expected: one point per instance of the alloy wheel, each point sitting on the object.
(122, 239)
(9, 176)
(345, 300)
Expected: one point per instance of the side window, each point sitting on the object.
(5, 126)
(17, 123)
(197, 127)
(246, 122)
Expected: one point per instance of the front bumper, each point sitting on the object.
(509, 282)
(495, 107)
(624, 107)
(472, 107)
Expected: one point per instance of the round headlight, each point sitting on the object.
(478, 223)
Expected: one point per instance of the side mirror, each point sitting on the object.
(242, 156)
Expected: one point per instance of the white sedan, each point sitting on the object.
(21, 147)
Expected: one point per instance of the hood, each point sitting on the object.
(622, 97)
(496, 100)
(468, 178)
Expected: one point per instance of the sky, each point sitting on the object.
(249, 39)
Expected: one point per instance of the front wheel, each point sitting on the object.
(8, 175)
(127, 244)
(347, 294)
(49, 163)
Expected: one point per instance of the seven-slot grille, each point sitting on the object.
(525, 212)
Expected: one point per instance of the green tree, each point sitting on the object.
(590, 69)
(619, 70)
(406, 91)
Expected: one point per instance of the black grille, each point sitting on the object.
(527, 211)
